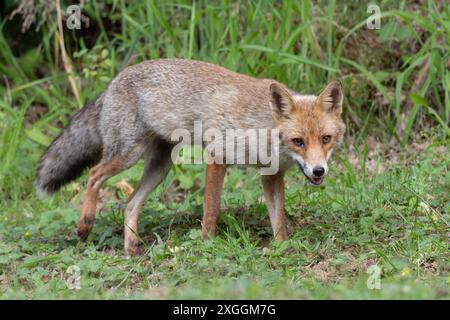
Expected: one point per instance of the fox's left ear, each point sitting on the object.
(331, 98)
(280, 101)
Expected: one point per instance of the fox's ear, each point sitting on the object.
(280, 101)
(331, 98)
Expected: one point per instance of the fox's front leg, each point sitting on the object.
(274, 194)
(215, 174)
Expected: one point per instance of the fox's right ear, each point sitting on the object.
(280, 101)
(331, 97)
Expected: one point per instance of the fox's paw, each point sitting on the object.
(208, 232)
(281, 235)
(84, 228)
(133, 248)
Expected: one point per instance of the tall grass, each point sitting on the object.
(396, 79)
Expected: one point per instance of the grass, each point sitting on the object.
(397, 220)
(384, 205)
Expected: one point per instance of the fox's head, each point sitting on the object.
(310, 126)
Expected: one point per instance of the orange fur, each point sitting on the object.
(97, 176)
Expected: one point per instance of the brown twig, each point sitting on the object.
(66, 61)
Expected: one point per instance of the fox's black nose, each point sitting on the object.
(318, 171)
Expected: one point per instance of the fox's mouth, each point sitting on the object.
(315, 180)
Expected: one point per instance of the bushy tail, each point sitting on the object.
(78, 147)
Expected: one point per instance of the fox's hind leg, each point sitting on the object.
(113, 162)
(97, 176)
(157, 165)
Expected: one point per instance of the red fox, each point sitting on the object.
(145, 103)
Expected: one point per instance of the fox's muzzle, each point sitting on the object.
(317, 176)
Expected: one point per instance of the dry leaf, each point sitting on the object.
(125, 187)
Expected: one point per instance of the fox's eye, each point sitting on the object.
(298, 142)
(326, 139)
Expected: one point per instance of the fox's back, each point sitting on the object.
(168, 94)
